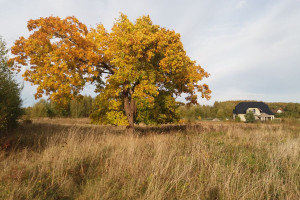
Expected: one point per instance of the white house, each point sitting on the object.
(260, 110)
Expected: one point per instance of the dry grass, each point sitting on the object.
(63, 121)
(207, 161)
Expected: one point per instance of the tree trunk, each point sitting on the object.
(130, 110)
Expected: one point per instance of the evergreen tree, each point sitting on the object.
(10, 101)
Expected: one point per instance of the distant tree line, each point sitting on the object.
(223, 110)
(163, 111)
(77, 108)
(290, 110)
(220, 110)
(89, 107)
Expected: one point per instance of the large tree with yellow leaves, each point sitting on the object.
(130, 65)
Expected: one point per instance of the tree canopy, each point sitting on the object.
(131, 65)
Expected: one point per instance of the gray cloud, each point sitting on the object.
(250, 48)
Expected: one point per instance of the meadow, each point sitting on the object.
(71, 159)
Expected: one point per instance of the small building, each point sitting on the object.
(279, 111)
(216, 120)
(260, 110)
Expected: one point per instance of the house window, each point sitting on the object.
(254, 110)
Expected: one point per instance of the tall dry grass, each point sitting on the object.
(208, 161)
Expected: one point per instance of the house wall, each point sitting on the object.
(255, 111)
(242, 117)
(270, 117)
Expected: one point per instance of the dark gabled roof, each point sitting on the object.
(242, 107)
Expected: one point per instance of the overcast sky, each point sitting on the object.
(251, 48)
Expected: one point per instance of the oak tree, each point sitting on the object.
(131, 65)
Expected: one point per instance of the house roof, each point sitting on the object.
(264, 115)
(242, 107)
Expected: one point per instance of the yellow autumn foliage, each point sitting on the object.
(132, 64)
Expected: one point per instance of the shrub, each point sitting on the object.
(249, 117)
(81, 107)
(237, 119)
(10, 101)
(39, 109)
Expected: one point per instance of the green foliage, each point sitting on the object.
(221, 110)
(108, 111)
(76, 108)
(249, 117)
(192, 113)
(237, 118)
(163, 111)
(224, 110)
(81, 107)
(111, 111)
(39, 109)
(44, 108)
(10, 101)
(221, 113)
(290, 110)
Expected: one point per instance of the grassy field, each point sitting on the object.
(67, 159)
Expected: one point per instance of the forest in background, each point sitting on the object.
(222, 110)
(77, 108)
